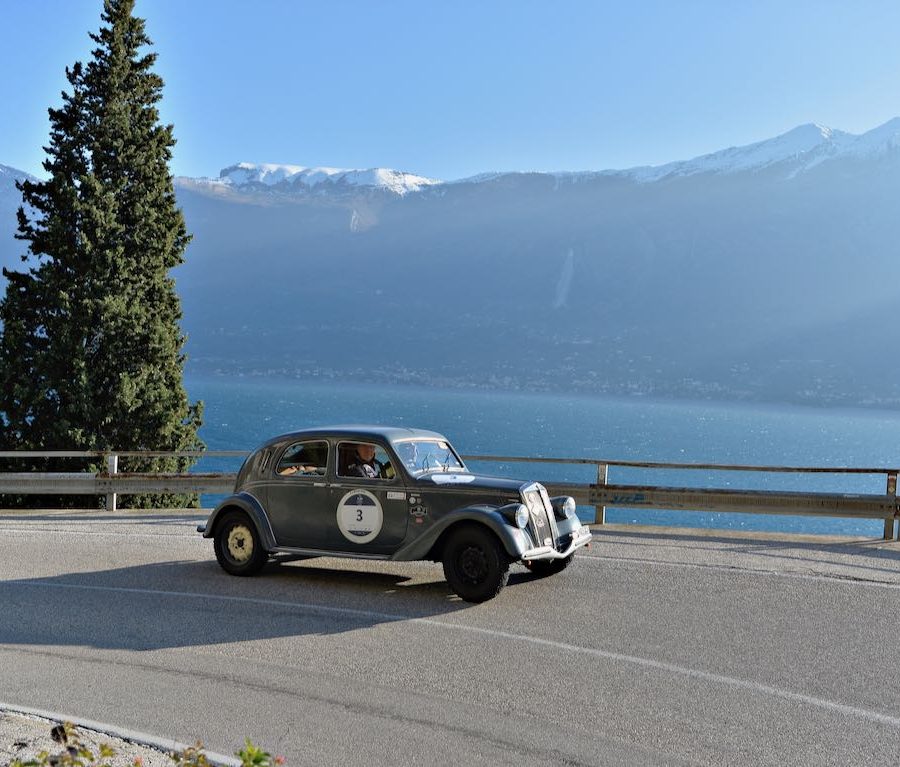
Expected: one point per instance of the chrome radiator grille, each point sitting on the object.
(542, 524)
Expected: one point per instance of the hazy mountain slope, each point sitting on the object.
(614, 282)
(767, 271)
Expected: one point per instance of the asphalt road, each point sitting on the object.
(650, 649)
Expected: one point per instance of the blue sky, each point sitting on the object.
(450, 89)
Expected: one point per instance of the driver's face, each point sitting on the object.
(366, 452)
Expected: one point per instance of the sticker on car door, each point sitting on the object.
(359, 516)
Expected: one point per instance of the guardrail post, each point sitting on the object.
(602, 477)
(112, 467)
(891, 491)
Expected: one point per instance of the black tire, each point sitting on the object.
(544, 567)
(475, 564)
(239, 548)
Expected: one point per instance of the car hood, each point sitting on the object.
(466, 481)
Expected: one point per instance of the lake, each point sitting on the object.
(242, 412)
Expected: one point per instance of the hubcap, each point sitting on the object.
(240, 543)
(473, 563)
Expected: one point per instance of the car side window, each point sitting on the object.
(364, 460)
(304, 459)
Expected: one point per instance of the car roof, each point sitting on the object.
(357, 432)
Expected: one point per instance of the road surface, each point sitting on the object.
(653, 648)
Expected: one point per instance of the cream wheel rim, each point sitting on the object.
(240, 543)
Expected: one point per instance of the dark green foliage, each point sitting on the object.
(91, 352)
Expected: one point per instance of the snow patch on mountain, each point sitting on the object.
(564, 284)
(884, 138)
(298, 178)
(809, 141)
(10, 196)
(798, 150)
(9, 175)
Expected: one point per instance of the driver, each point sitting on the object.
(364, 464)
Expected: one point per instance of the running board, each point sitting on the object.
(323, 553)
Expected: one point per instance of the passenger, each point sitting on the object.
(298, 468)
(308, 461)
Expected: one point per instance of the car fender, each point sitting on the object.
(569, 525)
(514, 540)
(251, 506)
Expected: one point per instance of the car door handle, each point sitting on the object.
(319, 484)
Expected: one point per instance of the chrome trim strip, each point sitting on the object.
(324, 553)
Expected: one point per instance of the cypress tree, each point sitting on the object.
(91, 352)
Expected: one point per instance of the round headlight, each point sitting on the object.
(563, 507)
(522, 516)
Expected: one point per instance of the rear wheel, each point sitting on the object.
(475, 564)
(239, 549)
(545, 567)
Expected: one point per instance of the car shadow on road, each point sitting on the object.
(191, 603)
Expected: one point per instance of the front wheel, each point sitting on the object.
(475, 564)
(544, 567)
(239, 549)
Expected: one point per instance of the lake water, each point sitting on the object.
(242, 412)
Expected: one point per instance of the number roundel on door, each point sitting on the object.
(359, 516)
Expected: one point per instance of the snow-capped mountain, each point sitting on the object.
(878, 141)
(790, 154)
(805, 145)
(764, 271)
(297, 179)
(798, 150)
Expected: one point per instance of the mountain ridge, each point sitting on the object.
(803, 147)
(773, 282)
(806, 145)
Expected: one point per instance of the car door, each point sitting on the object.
(370, 513)
(298, 496)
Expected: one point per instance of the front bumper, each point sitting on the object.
(580, 537)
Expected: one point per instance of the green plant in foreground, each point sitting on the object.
(192, 756)
(75, 754)
(253, 756)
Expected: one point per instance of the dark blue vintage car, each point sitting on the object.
(392, 493)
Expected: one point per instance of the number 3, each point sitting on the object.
(359, 515)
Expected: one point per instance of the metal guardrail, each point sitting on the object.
(603, 494)
(112, 483)
(600, 494)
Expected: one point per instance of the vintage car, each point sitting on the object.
(391, 493)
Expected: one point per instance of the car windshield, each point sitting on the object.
(421, 456)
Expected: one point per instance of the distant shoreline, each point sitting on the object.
(424, 382)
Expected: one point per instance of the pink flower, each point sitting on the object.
(279, 760)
